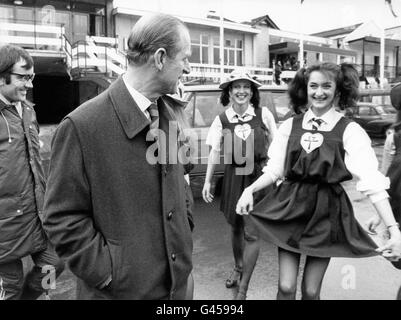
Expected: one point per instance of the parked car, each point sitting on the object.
(374, 118)
(376, 95)
(203, 107)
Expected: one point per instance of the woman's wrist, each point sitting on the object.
(250, 189)
(394, 229)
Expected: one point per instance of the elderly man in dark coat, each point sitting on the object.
(115, 215)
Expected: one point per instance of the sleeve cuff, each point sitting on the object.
(378, 196)
(272, 176)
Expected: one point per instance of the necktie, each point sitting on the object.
(316, 122)
(154, 120)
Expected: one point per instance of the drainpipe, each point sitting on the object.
(397, 51)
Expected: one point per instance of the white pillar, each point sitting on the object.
(301, 38)
(221, 42)
(382, 44)
(382, 53)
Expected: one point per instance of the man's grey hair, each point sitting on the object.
(151, 33)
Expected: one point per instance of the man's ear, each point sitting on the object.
(160, 58)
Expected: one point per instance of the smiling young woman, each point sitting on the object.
(313, 153)
(243, 124)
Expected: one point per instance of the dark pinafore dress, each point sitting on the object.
(394, 173)
(243, 140)
(309, 212)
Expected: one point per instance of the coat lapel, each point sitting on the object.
(131, 117)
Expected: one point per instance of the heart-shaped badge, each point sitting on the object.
(242, 131)
(311, 141)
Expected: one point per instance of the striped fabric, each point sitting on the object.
(154, 119)
(316, 122)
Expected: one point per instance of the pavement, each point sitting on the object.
(346, 279)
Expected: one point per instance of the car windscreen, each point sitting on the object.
(208, 107)
(277, 102)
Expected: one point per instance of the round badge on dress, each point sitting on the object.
(311, 141)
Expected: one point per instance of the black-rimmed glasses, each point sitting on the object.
(24, 77)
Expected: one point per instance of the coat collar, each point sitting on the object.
(131, 117)
(24, 104)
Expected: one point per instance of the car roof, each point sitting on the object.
(372, 104)
(215, 87)
(374, 92)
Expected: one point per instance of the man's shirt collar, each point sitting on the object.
(142, 102)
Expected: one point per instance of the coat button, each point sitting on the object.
(173, 256)
(170, 215)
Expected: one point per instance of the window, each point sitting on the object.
(189, 109)
(205, 55)
(200, 49)
(278, 104)
(216, 55)
(207, 107)
(364, 111)
(195, 56)
(6, 13)
(373, 111)
(233, 52)
(239, 58)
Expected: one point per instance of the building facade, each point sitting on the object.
(79, 48)
(365, 40)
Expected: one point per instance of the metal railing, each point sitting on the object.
(66, 46)
(89, 58)
(204, 73)
(373, 70)
(31, 35)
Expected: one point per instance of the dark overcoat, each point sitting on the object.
(108, 211)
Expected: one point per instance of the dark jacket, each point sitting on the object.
(22, 184)
(108, 211)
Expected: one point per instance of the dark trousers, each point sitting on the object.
(13, 284)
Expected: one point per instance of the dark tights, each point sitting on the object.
(237, 242)
(246, 252)
(315, 268)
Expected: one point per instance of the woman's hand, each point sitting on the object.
(245, 202)
(207, 196)
(373, 223)
(392, 249)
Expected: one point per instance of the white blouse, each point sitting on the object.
(215, 134)
(360, 158)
